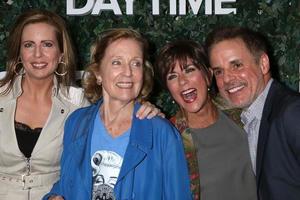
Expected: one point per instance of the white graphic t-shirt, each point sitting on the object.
(106, 160)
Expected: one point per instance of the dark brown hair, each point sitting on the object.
(180, 51)
(254, 41)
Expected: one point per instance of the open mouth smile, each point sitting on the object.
(189, 95)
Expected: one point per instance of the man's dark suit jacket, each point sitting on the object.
(278, 150)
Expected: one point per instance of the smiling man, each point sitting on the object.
(240, 63)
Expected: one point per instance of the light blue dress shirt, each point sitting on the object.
(251, 118)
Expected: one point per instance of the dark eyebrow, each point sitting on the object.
(47, 41)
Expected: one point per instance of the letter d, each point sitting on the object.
(71, 10)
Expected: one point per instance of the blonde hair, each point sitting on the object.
(93, 91)
(14, 43)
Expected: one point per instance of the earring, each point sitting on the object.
(21, 71)
(99, 82)
(65, 66)
(208, 89)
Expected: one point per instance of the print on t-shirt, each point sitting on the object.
(106, 167)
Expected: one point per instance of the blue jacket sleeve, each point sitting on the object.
(176, 178)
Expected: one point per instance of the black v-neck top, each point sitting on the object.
(26, 138)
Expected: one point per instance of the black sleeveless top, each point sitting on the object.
(26, 138)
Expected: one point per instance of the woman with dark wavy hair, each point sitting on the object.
(215, 147)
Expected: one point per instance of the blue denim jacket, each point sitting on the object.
(154, 165)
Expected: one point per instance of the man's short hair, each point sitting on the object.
(255, 42)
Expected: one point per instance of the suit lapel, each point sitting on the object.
(262, 139)
(265, 127)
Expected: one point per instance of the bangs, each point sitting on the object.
(180, 59)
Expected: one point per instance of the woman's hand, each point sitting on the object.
(56, 198)
(148, 110)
